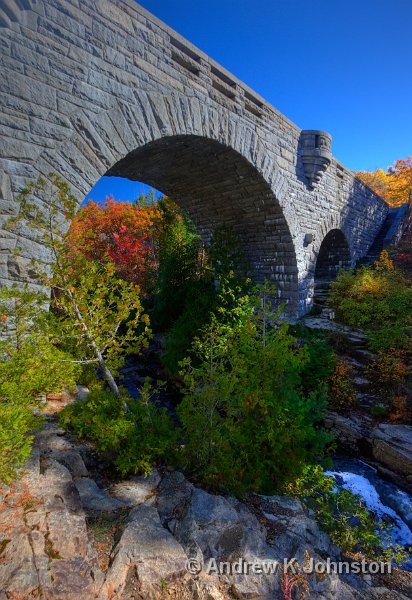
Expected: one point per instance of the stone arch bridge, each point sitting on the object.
(103, 87)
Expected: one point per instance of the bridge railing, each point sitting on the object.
(222, 85)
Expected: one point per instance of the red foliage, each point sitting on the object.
(119, 231)
(131, 255)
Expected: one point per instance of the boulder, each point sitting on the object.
(222, 528)
(212, 527)
(174, 493)
(392, 446)
(164, 546)
(95, 499)
(148, 549)
(355, 336)
(296, 532)
(351, 432)
(73, 461)
(49, 554)
(82, 392)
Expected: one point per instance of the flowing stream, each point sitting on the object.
(384, 499)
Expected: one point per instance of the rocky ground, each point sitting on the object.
(69, 533)
(386, 446)
(359, 431)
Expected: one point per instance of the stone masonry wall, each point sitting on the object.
(93, 86)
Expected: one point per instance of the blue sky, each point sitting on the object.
(119, 187)
(339, 65)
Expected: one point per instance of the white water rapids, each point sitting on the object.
(387, 502)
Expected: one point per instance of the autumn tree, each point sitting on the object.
(125, 232)
(400, 181)
(377, 180)
(394, 184)
(93, 303)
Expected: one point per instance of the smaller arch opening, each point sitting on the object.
(334, 255)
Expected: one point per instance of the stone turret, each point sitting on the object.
(316, 154)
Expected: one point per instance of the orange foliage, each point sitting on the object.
(95, 224)
(387, 371)
(376, 180)
(400, 182)
(341, 391)
(401, 411)
(394, 184)
(383, 263)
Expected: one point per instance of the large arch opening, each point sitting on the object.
(217, 186)
(334, 255)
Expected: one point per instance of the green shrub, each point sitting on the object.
(321, 359)
(379, 411)
(182, 262)
(199, 303)
(134, 441)
(35, 369)
(343, 516)
(30, 366)
(227, 256)
(246, 423)
(16, 421)
(189, 277)
(379, 300)
(357, 296)
(185, 292)
(389, 336)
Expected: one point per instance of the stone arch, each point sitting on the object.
(311, 283)
(217, 186)
(334, 254)
(214, 183)
(222, 162)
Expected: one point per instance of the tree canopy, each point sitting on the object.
(394, 184)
